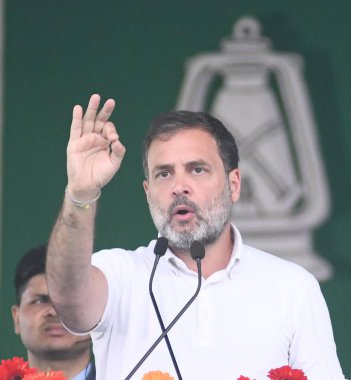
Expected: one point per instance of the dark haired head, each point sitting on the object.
(31, 264)
(168, 124)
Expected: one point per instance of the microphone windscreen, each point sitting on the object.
(161, 246)
(197, 250)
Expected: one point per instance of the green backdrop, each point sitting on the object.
(59, 52)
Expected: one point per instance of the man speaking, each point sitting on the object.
(254, 311)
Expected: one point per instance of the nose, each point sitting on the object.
(50, 310)
(181, 185)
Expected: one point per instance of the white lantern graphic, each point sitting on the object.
(263, 101)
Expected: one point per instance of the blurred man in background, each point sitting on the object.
(49, 345)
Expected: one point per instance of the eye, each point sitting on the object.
(163, 175)
(199, 170)
(41, 300)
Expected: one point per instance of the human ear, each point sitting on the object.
(15, 318)
(235, 184)
(146, 189)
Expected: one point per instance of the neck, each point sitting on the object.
(217, 254)
(70, 367)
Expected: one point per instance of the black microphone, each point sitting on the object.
(159, 250)
(197, 252)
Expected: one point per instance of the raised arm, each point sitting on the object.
(94, 155)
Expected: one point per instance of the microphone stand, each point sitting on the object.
(165, 332)
(157, 258)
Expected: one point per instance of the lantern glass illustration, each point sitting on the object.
(262, 99)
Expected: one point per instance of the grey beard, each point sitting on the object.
(209, 226)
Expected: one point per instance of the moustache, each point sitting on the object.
(182, 200)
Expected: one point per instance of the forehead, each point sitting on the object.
(189, 143)
(36, 285)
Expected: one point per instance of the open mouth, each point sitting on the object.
(183, 211)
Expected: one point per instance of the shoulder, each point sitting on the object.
(269, 267)
(142, 253)
(118, 260)
(266, 267)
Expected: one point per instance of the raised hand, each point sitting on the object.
(94, 151)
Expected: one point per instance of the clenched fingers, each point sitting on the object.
(117, 153)
(109, 131)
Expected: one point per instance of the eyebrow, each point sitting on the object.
(165, 167)
(197, 163)
(170, 167)
(41, 295)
